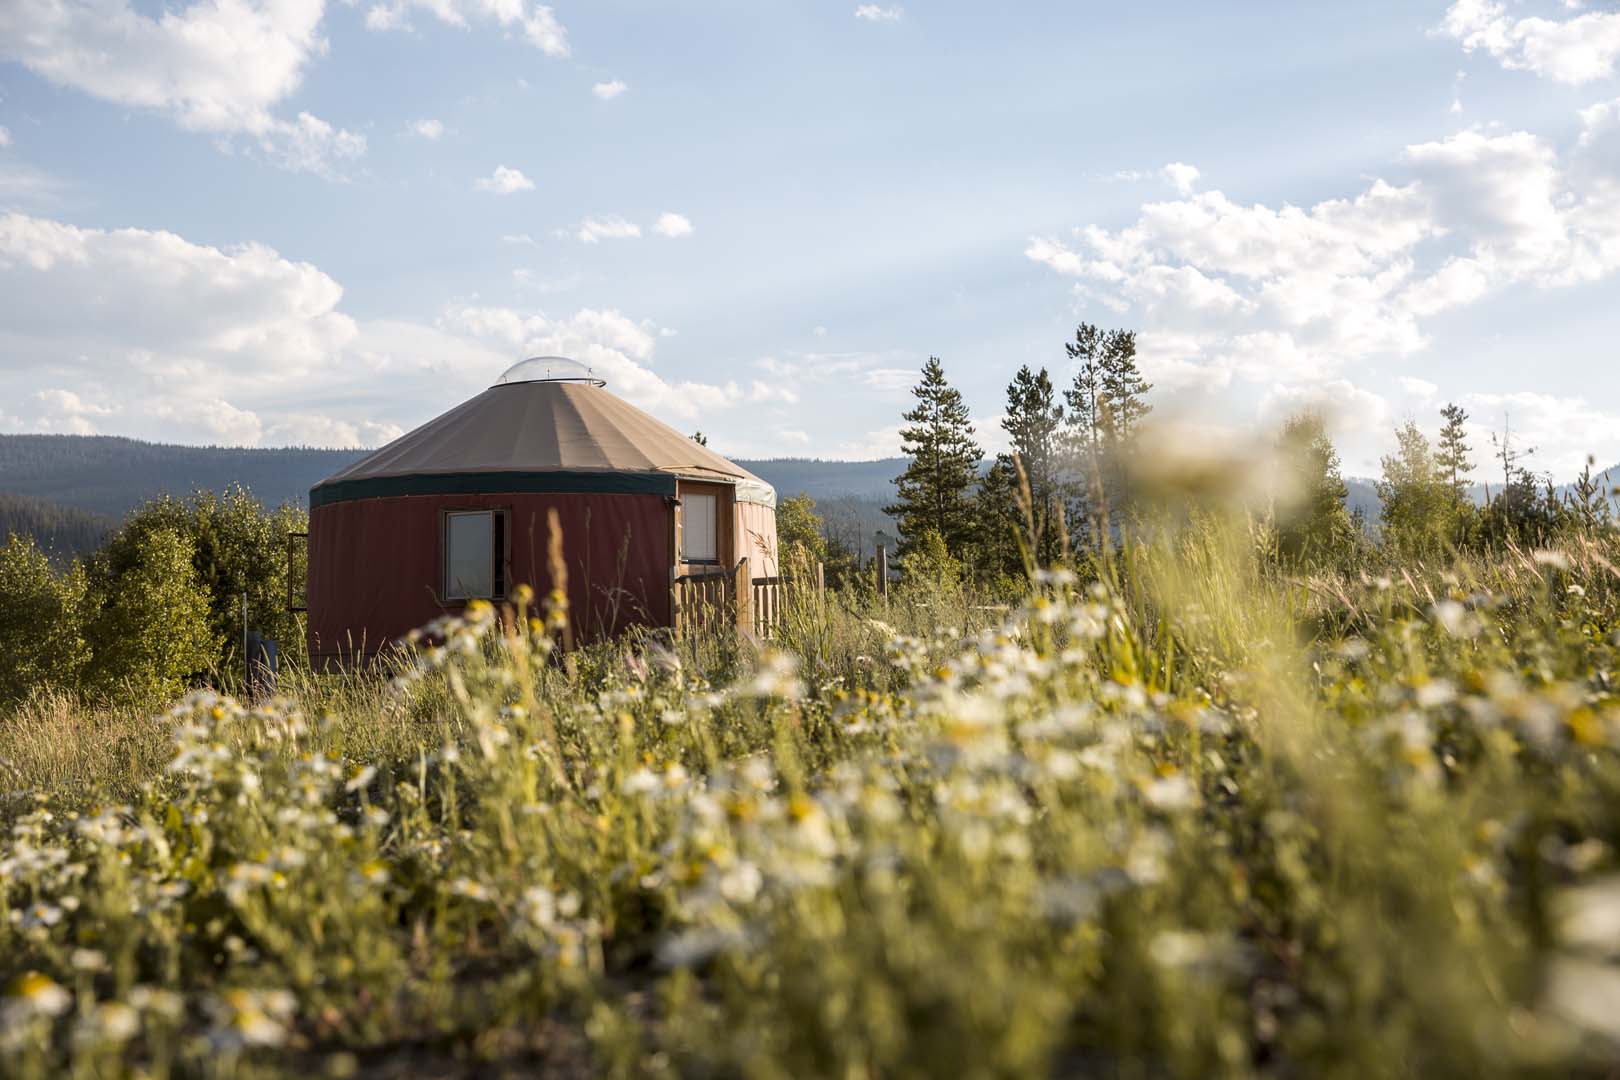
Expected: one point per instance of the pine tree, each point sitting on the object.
(1108, 400)
(1085, 397)
(993, 552)
(1451, 458)
(934, 490)
(1033, 422)
(1124, 389)
(1107, 403)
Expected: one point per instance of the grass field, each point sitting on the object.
(1193, 817)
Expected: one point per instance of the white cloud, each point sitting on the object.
(68, 403)
(537, 22)
(607, 91)
(893, 381)
(144, 333)
(305, 429)
(876, 13)
(504, 181)
(518, 240)
(1562, 430)
(1575, 50)
(177, 339)
(673, 225)
(617, 348)
(595, 230)
(432, 130)
(216, 66)
(1422, 389)
(5, 138)
(884, 442)
(310, 144)
(1248, 291)
(1277, 307)
(1182, 176)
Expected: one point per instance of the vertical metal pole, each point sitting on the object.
(247, 661)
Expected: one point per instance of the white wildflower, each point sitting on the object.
(360, 778)
(741, 883)
(1434, 694)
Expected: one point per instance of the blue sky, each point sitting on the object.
(273, 221)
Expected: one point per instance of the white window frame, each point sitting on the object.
(713, 500)
(499, 553)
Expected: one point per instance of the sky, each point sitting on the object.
(272, 222)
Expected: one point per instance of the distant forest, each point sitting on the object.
(60, 531)
(67, 491)
(111, 476)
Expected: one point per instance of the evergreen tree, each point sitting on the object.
(1033, 422)
(1451, 458)
(1416, 497)
(1107, 403)
(1517, 512)
(1086, 396)
(933, 492)
(1108, 400)
(1587, 500)
(1318, 530)
(1124, 389)
(993, 552)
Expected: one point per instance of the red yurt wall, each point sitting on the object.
(376, 565)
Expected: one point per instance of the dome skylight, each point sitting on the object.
(549, 369)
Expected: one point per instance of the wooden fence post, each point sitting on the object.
(742, 583)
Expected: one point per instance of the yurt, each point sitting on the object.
(457, 510)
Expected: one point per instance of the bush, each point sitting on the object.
(41, 622)
(238, 546)
(149, 635)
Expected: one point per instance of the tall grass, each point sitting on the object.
(1195, 816)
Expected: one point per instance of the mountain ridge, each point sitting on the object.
(109, 475)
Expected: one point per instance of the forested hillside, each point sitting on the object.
(109, 475)
(58, 530)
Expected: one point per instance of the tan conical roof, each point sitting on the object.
(547, 427)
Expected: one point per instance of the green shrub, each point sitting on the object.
(148, 629)
(41, 622)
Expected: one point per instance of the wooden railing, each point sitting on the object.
(754, 605)
(702, 599)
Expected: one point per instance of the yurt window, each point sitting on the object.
(474, 554)
(699, 539)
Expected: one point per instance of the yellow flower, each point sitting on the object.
(40, 994)
(1585, 727)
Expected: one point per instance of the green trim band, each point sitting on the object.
(558, 482)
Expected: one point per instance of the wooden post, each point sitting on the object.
(821, 584)
(883, 572)
(743, 585)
